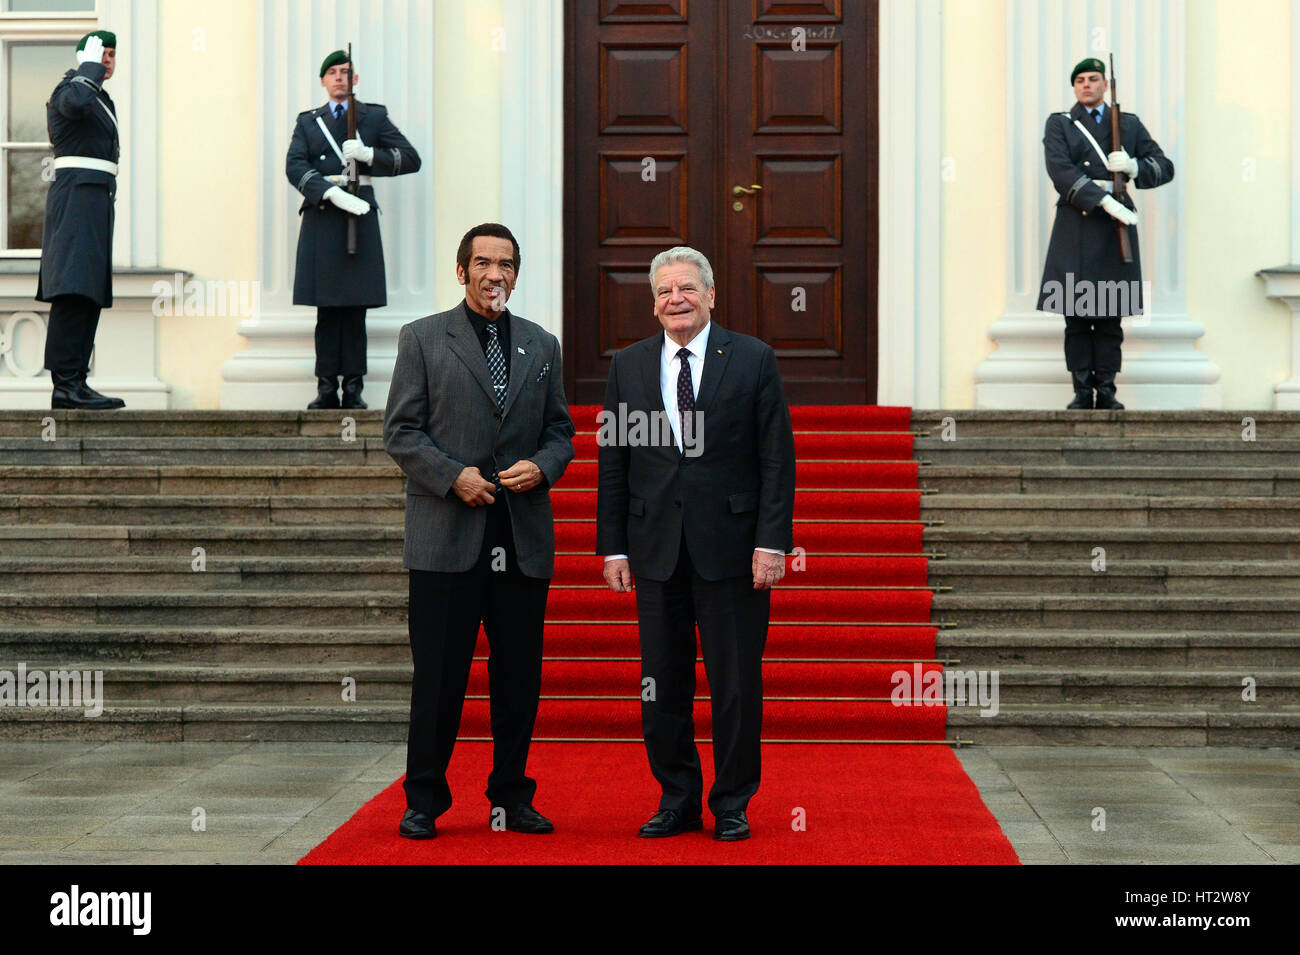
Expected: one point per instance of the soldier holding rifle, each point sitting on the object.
(335, 150)
(1090, 277)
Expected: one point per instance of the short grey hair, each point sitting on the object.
(682, 253)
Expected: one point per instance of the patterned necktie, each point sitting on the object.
(496, 364)
(685, 397)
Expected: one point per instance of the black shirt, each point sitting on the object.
(480, 324)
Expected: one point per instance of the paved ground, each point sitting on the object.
(1161, 804)
(271, 802)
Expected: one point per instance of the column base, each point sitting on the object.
(1162, 370)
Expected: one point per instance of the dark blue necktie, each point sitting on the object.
(1096, 116)
(339, 110)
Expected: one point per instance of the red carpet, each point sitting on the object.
(861, 804)
(854, 608)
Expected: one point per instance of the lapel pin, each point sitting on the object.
(719, 351)
(520, 350)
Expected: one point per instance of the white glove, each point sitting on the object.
(1119, 211)
(92, 52)
(1120, 161)
(356, 149)
(346, 201)
(340, 180)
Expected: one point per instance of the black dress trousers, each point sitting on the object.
(444, 617)
(340, 341)
(70, 336)
(733, 619)
(1093, 344)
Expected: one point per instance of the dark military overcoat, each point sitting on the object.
(77, 244)
(325, 274)
(1083, 256)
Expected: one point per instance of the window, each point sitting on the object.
(37, 40)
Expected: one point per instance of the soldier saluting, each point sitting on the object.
(340, 284)
(76, 275)
(1086, 277)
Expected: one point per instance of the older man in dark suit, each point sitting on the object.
(477, 420)
(703, 520)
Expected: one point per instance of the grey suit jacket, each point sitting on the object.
(442, 417)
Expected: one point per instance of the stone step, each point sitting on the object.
(325, 540)
(205, 644)
(130, 423)
(1103, 612)
(182, 480)
(289, 644)
(1061, 648)
(322, 684)
(981, 423)
(1113, 480)
(1129, 724)
(245, 509)
(176, 572)
(968, 422)
(1195, 452)
(193, 451)
(1050, 543)
(1177, 577)
(1036, 510)
(388, 607)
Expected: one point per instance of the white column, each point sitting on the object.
(532, 155)
(392, 42)
(1284, 281)
(1161, 366)
(908, 304)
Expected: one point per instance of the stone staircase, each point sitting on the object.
(1200, 589)
(298, 584)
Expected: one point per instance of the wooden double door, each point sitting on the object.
(747, 130)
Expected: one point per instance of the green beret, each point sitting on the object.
(334, 59)
(1090, 65)
(110, 40)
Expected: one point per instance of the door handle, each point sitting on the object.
(742, 191)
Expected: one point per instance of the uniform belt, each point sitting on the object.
(363, 180)
(1107, 184)
(85, 162)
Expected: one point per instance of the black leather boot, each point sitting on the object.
(352, 392)
(327, 393)
(1106, 399)
(1082, 391)
(71, 391)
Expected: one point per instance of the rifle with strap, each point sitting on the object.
(1121, 190)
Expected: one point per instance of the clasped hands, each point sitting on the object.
(472, 488)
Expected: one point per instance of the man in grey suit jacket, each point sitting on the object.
(477, 420)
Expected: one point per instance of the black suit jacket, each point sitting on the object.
(735, 495)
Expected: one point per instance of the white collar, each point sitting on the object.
(696, 345)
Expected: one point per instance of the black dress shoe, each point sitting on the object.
(731, 826)
(525, 818)
(352, 392)
(417, 825)
(670, 822)
(71, 391)
(327, 393)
